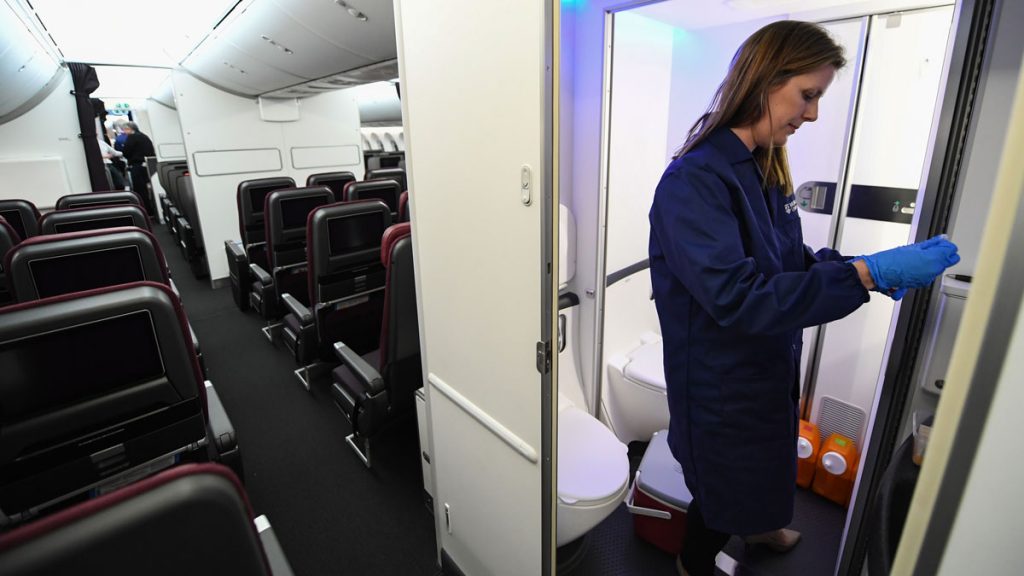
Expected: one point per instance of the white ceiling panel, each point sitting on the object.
(140, 32)
(698, 14)
(267, 33)
(128, 82)
(331, 20)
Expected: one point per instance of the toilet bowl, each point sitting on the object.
(636, 405)
(593, 472)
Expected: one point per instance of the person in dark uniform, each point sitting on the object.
(735, 285)
(136, 147)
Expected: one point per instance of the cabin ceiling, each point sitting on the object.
(277, 48)
(698, 14)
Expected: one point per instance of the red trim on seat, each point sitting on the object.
(393, 234)
(23, 534)
(403, 206)
(387, 244)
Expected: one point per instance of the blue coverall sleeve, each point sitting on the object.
(824, 255)
(702, 241)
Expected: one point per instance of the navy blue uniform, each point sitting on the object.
(734, 287)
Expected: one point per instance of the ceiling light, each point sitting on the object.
(352, 11)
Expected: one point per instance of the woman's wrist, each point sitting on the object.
(864, 274)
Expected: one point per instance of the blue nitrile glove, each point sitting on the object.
(913, 266)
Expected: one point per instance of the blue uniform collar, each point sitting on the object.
(729, 145)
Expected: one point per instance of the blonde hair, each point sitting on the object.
(765, 61)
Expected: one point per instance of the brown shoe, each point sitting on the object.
(781, 540)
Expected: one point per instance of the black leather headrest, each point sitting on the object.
(91, 199)
(250, 197)
(77, 219)
(387, 191)
(56, 264)
(336, 181)
(396, 174)
(22, 215)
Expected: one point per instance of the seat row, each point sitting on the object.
(181, 214)
(334, 281)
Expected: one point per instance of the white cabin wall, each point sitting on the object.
(165, 131)
(41, 155)
(227, 142)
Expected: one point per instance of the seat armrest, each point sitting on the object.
(272, 548)
(220, 425)
(297, 309)
(360, 368)
(261, 275)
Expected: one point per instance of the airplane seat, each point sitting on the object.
(387, 191)
(22, 215)
(191, 519)
(162, 171)
(93, 199)
(377, 388)
(336, 181)
(396, 174)
(180, 180)
(593, 465)
(403, 207)
(99, 388)
(285, 215)
(78, 219)
(173, 210)
(345, 280)
(191, 232)
(9, 238)
(251, 248)
(54, 265)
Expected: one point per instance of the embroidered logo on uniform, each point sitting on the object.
(791, 206)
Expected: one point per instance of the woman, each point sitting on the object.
(734, 286)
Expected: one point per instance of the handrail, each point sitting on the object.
(627, 271)
(495, 427)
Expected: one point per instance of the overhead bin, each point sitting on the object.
(25, 65)
(291, 48)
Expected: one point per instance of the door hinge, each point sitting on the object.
(544, 357)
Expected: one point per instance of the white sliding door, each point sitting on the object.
(476, 116)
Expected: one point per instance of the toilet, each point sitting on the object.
(593, 465)
(635, 402)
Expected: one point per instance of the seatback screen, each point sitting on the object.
(13, 218)
(355, 233)
(87, 270)
(258, 194)
(95, 224)
(61, 367)
(295, 210)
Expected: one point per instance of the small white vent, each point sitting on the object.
(836, 416)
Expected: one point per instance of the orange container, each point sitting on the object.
(808, 446)
(836, 469)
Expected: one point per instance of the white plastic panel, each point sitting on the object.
(38, 180)
(222, 162)
(488, 517)
(165, 131)
(373, 39)
(171, 151)
(324, 156)
(898, 94)
(24, 65)
(311, 56)
(279, 109)
(224, 65)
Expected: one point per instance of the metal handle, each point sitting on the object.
(634, 509)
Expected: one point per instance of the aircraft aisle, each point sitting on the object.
(331, 514)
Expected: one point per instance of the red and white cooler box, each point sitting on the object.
(659, 498)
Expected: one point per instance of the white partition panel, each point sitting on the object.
(41, 154)
(901, 79)
(227, 142)
(473, 81)
(166, 131)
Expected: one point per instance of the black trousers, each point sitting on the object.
(702, 544)
(140, 178)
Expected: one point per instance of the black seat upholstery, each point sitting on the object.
(286, 213)
(9, 238)
(52, 265)
(173, 209)
(190, 232)
(77, 219)
(191, 519)
(345, 280)
(22, 215)
(374, 389)
(396, 174)
(90, 199)
(251, 249)
(97, 386)
(336, 181)
(387, 191)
